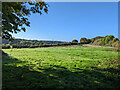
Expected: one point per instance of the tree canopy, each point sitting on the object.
(15, 16)
(85, 41)
(74, 41)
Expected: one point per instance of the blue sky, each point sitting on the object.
(66, 21)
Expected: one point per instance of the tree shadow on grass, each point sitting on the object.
(53, 77)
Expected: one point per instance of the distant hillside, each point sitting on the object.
(29, 42)
(108, 40)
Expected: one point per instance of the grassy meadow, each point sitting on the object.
(60, 67)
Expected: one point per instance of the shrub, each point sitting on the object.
(69, 43)
(5, 46)
(108, 39)
(85, 41)
(115, 39)
(89, 40)
(111, 36)
(74, 41)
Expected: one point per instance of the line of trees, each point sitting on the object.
(29, 42)
(36, 46)
(108, 40)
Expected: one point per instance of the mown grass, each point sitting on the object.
(60, 67)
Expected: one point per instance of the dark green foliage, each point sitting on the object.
(85, 41)
(102, 41)
(5, 46)
(89, 40)
(22, 43)
(15, 16)
(110, 36)
(74, 41)
(98, 37)
(29, 42)
(108, 40)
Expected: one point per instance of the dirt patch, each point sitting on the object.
(89, 45)
(81, 45)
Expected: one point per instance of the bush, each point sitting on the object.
(75, 41)
(111, 36)
(89, 40)
(69, 43)
(115, 39)
(5, 46)
(102, 41)
(108, 39)
(85, 41)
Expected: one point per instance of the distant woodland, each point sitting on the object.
(108, 40)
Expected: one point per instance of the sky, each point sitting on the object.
(66, 21)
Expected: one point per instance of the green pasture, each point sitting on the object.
(60, 67)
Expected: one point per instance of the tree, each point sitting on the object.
(108, 39)
(84, 41)
(74, 41)
(15, 16)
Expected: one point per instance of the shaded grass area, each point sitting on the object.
(59, 68)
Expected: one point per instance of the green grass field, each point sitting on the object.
(60, 67)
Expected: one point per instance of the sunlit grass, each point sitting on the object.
(75, 67)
